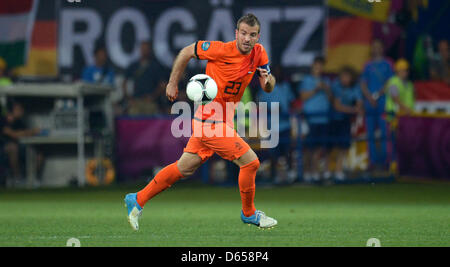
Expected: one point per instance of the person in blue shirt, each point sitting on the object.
(100, 72)
(375, 75)
(283, 94)
(315, 93)
(149, 84)
(347, 103)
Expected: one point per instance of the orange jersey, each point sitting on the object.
(232, 72)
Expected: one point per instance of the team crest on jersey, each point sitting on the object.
(205, 46)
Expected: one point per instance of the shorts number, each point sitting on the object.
(233, 88)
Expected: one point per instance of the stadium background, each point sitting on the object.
(59, 40)
(65, 34)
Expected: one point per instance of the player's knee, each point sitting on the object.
(188, 164)
(188, 170)
(253, 166)
(256, 164)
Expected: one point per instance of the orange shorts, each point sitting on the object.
(209, 138)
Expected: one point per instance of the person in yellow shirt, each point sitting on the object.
(400, 91)
(399, 101)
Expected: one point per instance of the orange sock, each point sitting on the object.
(247, 176)
(164, 179)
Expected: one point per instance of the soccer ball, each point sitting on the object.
(201, 88)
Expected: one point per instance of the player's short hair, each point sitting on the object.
(250, 20)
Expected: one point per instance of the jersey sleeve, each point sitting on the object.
(209, 50)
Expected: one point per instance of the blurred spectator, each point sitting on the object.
(440, 65)
(400, 91)
(399, 100)
(315, 93)
(374, 77)
(347, 103)
(100, 72)
(282, 93)
(12, 129)
(4, 80)
(149, 80)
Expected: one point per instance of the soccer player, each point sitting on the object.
(232, 65)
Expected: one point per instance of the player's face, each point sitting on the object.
(246, 37)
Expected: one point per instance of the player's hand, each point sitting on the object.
(264, 74)
(172, 91)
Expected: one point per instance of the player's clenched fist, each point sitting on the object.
(172, 91)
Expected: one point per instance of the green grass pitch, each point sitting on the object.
(198, 215)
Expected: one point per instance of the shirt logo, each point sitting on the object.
(251, 67)
(205, 46)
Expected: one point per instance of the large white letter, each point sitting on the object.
(162, 28)
(293, 56)
(223, 27)
(185, 119)
(274, 132)
(113, 41)
(86, 40)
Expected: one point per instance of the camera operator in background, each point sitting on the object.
(12, 129)
(149, 79)
(100, 72)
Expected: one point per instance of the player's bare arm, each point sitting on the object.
(266, 80)
(178, 68)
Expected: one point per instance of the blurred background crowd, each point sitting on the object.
(378, 73)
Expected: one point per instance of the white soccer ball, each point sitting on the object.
(201, 88)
